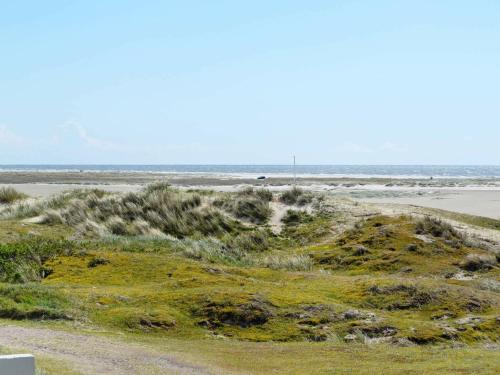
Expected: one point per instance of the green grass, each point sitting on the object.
(35, 302)
(321, 301)
(480, 221)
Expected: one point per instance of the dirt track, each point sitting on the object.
(93, 355)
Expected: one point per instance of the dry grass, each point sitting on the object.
(10, 195)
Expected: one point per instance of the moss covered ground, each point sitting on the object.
(384, 295)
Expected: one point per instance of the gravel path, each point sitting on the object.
(92, 355)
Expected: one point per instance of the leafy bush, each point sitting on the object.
(10, 195)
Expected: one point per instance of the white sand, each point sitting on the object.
(473, 202)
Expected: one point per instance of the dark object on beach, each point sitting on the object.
(261, 178)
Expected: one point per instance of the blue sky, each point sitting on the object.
(233, 82)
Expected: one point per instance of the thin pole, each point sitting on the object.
(294, 173)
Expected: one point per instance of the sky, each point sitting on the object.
(250, 82)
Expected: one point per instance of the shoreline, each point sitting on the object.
(196, 178)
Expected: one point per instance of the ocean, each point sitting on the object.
(393, 171)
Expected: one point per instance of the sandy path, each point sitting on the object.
(94, 355)
(279, 211)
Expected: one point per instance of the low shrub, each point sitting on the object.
(438, 228)
(478, 262)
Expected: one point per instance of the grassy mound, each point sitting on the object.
(296, 196)
(398, 245)
(249, 205)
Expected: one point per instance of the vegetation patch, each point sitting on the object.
(296, 196)
(295, 217)
(246, 207)
(97, 261)
(251, 311)
(24, 261)
(395, 245)
(479, 262)
(10, 195)
(34, 302)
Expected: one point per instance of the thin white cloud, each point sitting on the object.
(355, 147)
(90, 140)
(389, 146)
(362, 149)
(8, 137)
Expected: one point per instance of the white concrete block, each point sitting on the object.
(21, 364)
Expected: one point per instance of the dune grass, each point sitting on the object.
(10, 195)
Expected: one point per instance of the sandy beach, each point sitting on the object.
(473, 202)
